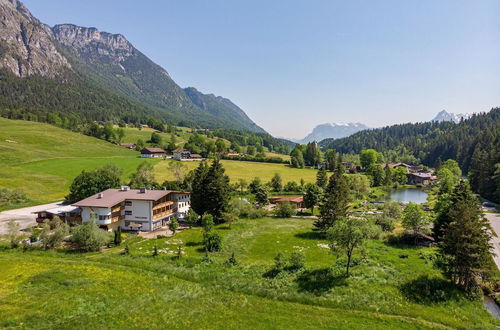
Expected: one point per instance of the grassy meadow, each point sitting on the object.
(43, 160)
(109, 290)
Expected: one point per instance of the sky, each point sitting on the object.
(294, 64)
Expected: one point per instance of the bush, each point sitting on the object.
(13, 233)
(386, 224)
(212, 241)
(118, 236)
(246, 210)
(53, 233)
(285, 210)
(173, 225)
(14, 196)
(297, 260)
(231, 261)
(89, 237)
(280, 261)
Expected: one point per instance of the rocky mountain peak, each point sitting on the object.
(27, 46)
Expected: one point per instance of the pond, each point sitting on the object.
(407, 195)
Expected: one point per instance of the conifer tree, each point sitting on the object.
(335, 201)
(465, 247)
(218, 191)
(199, 189)
(322, 178)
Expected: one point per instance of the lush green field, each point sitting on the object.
(42, 160)
(110, 290)
(245, 170)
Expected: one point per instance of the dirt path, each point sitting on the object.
(24, 216)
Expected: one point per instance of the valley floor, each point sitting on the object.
(391, 287)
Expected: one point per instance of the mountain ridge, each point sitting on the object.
(85, 56)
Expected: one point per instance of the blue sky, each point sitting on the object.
(294, 64)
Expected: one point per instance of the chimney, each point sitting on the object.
(100, 195)
(142, 190)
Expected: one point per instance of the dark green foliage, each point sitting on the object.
(280, 261)
(297, 259)
(155, 251)
(292, 186)
(261, 196)
(231, 261)
(335, 200)
(89, 183)
(118, 236)
(276, 183)
(376, 172)
(218, 190)
(330, 159)
(285, 210)
(465, 246)
(199, 189)
(312, 196)
(297, 156)
(144, 177)
(173, 225)
(312, 154)
(89, 237)
(322, 178)
(254, 186)
(212, 241)
(432, 142)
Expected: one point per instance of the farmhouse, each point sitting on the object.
(153, 153)
(185, 155)
(128, 145)
(134, 209)
(67, 213)
(421, 178)
(296, 201)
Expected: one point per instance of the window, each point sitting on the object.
(103, 217)
(128, 212)
(128, 203)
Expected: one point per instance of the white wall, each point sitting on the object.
(141, 213)
(86, 211)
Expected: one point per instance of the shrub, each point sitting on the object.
(173, 225)
(15, 196)
(118, 236)
(386, 224)
(285, 210)
(53, 233)
(89, 237)
(13, 233)
(246, 210)
(155, 251)
(297, 259)
(231, 261)
(280, 261)
(212, 241)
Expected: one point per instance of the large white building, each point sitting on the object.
(134, 209)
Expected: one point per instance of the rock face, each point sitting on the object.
(448, 116)
(27, 46)
(333, 131)
(94, 60)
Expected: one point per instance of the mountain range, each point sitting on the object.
(76, 71)
(449, 116)
(332, 131)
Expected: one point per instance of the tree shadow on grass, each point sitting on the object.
(316, 235)
(319, 281)
(427, 291)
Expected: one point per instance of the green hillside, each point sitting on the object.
(42, 159)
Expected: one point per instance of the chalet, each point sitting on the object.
(128, 145)
(297, 201)
(420, 178)
(134, 209)
(351, 167)
(153, 153)
(67, 213)
(185, 155)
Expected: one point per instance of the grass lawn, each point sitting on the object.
(64, 290)
(246, 170)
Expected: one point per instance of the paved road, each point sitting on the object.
(24, 216)
(494, 219)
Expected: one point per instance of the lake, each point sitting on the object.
(407, 195)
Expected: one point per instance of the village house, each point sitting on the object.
(351, 167)
(153, 153)
(70, 215)
(128, 145)
(134, 209)
(296, 201)
(420, 178)
(185, 155)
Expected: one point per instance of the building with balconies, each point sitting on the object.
(134, 209)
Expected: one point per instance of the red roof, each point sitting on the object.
(292, 199)
(180, 150)
(195, 156)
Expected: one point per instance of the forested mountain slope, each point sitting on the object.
(474, 143)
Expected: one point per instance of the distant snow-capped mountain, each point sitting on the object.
(333, 131)
(448, 116)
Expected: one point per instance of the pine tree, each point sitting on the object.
(199, 189)
(335, 201)
(322, 178)
(465, 248)
(118, 236)
(218, 191)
